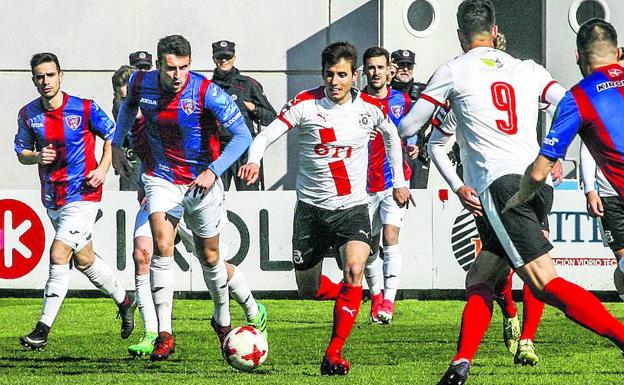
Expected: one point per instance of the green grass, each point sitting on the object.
(85, 348)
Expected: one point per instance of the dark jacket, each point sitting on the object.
(243, 88)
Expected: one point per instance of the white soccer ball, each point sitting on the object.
(245, 348)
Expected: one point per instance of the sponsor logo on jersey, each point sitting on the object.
(465, 240)
(550, 141)
(614, 72)
(148, 101)
(34, 124)
(491, 63)
(232, 120)
(73, 121)
(397, 111)
(610, 84)
(188, 105)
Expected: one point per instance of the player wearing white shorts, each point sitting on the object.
(386, 216)
(605, 203)
(182, 111)
(334, 123)
(57, 132)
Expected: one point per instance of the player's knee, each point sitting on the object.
(164, 247)
(209, 257)
(390, 238)
(142, 257)
(353, 273)
(82, 265)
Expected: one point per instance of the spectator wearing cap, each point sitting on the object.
(403, 80)
(250, 98)
(141, 60)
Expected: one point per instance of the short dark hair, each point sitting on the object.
(43, 57)
(595, 31)
(173, 44)
(475, 17)
(335, 52)
(376, 52)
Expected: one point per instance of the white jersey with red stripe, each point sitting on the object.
(333, 146)
(494, 98)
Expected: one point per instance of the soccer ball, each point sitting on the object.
(245, 348)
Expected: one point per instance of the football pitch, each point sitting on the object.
(85, 348)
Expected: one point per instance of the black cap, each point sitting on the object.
(223, 48)
(403, 56)
(141, 59)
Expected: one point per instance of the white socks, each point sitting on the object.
(54, 293)
(146, 303)
(218, 288)
(391, 270)
(162, 279)
(102, 277)
(239, 290)
(374, 273)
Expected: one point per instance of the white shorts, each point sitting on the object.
(74, 223)
(383, 210)
(142, 229)
(204, 217)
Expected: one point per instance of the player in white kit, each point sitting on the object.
(334, 123)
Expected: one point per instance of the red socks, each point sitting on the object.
(475, 321)
(345, 312)
(583, 307)
(531, 313)
(328, 289)
(504, 297)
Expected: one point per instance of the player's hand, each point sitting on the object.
(250, 106)
(373, 133)
(402, 196)
(413, 151)
(470, 200)
(96, 177)
(202, 184)
(121, 164)
(557, 172)
(47, 155)
(141, 196)
(594, 204)
(249, 172)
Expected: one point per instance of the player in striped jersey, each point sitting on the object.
(57, 132)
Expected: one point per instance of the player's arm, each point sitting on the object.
(229, 116)
(435, 95)
(394, 152)
(437, 142)
(588, 175)
(263, 112)
(261, 142)
(103, 127)
(566, 124)
(24, 145)
(124, 121)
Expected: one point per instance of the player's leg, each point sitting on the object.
(612, 224)
(373, 271)
(577, 303)
(255, 312)
(618, 274)
(351, 228)
(54, 292)
(143, 249)
(511, 325)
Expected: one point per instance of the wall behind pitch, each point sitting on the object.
(278, 42)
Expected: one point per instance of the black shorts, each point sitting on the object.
(613, 222)
(319, 233)
(518, 234)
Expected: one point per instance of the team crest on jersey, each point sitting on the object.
(73, 121)
(365, 118)
(397, 111)
(615, 72)
(188, 106)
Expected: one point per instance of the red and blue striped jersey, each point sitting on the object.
(71, 129)
(181, 128)
(396, 105)
(593, 109)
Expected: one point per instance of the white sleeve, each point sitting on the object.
(394, 151)
(438, 155)
(265, 138)
(435, 95)
(588, 169)
(550, 90)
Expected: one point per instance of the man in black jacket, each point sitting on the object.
(251, 100)
(403, 80)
